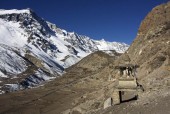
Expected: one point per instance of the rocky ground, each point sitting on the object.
(150, 102)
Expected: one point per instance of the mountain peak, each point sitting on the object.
(103, 40)
(15, 11)
(48, 48)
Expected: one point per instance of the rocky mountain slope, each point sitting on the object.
(150, 50)
(33, 50)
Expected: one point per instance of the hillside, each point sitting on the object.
(151, 48)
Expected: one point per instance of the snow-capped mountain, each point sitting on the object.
(33, 50)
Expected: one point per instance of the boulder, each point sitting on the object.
(108, 103)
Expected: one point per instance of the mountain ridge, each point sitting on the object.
(42, 45)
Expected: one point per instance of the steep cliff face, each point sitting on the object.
(153, 34)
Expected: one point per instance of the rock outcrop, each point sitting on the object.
(151, 48)
(108, 103)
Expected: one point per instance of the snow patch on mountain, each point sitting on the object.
(12, 11)
(11, 63)
(104, 45)
(11, 34)
(35, 79)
